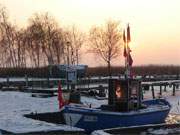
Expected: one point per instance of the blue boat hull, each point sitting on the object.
(94, 119)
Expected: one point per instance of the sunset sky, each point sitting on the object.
(155, 24)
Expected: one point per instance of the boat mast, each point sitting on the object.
(127, 60)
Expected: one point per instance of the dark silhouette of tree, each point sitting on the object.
(43, 42)
(76, 39)
(47, 38)
(34, 37)
(20, 48)
(8, 38)
(106, 41)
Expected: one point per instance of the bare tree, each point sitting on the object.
(58, 42)
(21, 48)
(34, 37)
(48, 37)
(8, 38)
(106, 41)
(76, 38)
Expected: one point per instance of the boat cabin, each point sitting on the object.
(124, 95)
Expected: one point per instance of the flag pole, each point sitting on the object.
(129, 59)
(127, 70)
(125, 45)
(128, 66)
(125, 53)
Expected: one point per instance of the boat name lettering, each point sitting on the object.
(90, 118)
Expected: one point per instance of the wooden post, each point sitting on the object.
(152, 88)
(174, 89)
(141, 93)
(26, 79)
(165, 88)
(160, 92)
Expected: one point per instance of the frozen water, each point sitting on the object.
(15, 104)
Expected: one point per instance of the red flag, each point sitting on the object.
(125, 51)
(60, 98)
(128, 34)
(124, 39)
(124, 36)
(130, 60)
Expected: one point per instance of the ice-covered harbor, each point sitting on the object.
(15, 104)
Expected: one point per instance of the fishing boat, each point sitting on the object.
(120, 111)
(125, 107)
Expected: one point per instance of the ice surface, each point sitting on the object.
(15, 104)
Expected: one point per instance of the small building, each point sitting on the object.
(60, 71)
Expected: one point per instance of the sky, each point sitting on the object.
(154, 24)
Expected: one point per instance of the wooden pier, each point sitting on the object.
(49, 85)
(162, 86)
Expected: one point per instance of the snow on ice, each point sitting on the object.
(15, 104)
